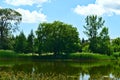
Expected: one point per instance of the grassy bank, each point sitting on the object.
(7, 54)
(90, 56)
(73, 56)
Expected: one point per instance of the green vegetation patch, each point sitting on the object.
(116, 55)
(90, 56)
(7, 54)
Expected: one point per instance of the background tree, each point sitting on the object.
(21, 43)
(99, 41)
(57, 37)
(116, 44)
(93, 24)
(9, 20)
(85, 45)
(104, 42)
(30, 42)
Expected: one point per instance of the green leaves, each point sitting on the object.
(99, 41)
(20, 43)
(9, 20)
(57, 37)
(30, 42)
(93, 24)
(116, 44)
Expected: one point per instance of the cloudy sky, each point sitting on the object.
(69, 11)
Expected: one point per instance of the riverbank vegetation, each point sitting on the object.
(57, 38)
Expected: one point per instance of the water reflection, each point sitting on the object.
(62, 70)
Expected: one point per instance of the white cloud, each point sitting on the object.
(100, 7)
(109, 3)
(90, 9)
(25, 2)
(31, 17)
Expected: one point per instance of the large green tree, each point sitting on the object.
(93, 24)
(57, 37)
(9, 20)
(99, 41)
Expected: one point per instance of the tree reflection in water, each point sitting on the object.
(64, 70)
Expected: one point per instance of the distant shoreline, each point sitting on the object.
(5, 54)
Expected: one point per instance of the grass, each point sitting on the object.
(7, 54)
(72, 56)
(90, 56)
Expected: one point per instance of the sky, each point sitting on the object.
(71, 12)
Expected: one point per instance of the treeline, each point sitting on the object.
(56, 37)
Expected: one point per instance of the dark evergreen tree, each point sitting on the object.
(30, 42)
(21, 43)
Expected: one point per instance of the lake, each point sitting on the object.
(59, 70)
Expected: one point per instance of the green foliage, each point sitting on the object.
(116, 55)
(9, 19)
(85, 46)
(93, 24)
(99, 40)
(105, 46)
(20, 43)
(90, 56)
(30, 43)
(57, 37)
(7, 54)
(116, 44)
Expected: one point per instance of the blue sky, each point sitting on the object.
(69, 11)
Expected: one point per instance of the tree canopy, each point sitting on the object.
(99, 41)
(57, 37)
(9, 20)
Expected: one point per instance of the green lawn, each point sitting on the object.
(71, 56)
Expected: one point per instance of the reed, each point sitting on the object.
(34, 76)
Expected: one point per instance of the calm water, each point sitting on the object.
(50, 70)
